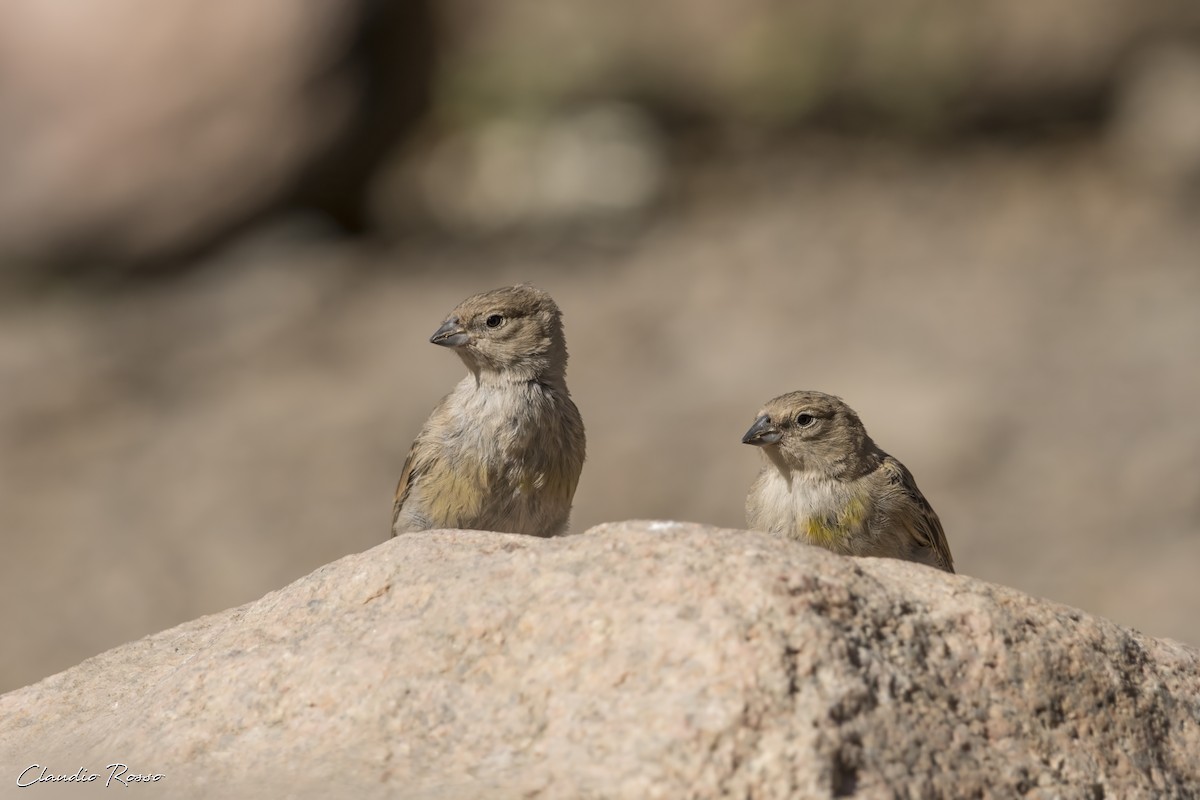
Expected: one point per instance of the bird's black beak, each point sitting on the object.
(451, 334)
(762, 433)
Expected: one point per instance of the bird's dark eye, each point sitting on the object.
(804, 420)
(494, 321)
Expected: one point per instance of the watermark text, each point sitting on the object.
(117, 774)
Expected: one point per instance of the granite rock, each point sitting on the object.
(640, 659)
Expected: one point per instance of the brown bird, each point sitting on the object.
(825, 482)
(504, 450)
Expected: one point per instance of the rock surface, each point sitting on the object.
(637, 660)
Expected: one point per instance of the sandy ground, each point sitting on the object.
(1020, 328)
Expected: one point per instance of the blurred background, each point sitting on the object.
(227, 230)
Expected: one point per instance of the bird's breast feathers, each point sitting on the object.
(517, 432)
(810, 508)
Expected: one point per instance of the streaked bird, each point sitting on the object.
(825, 482)
(504, 450)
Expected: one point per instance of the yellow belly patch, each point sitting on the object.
(830, 529)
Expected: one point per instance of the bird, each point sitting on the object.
(504, 450)
(826, 483)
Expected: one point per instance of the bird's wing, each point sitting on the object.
(923, 524)
(416, 465)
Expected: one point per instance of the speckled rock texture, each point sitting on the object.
(638, 660)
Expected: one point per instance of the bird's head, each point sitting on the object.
(514, 333)
(812, 432)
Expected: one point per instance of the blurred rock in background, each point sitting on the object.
(1155, 131)
(136, 134)
(974, 221)
(923, 65)
(597, 167)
